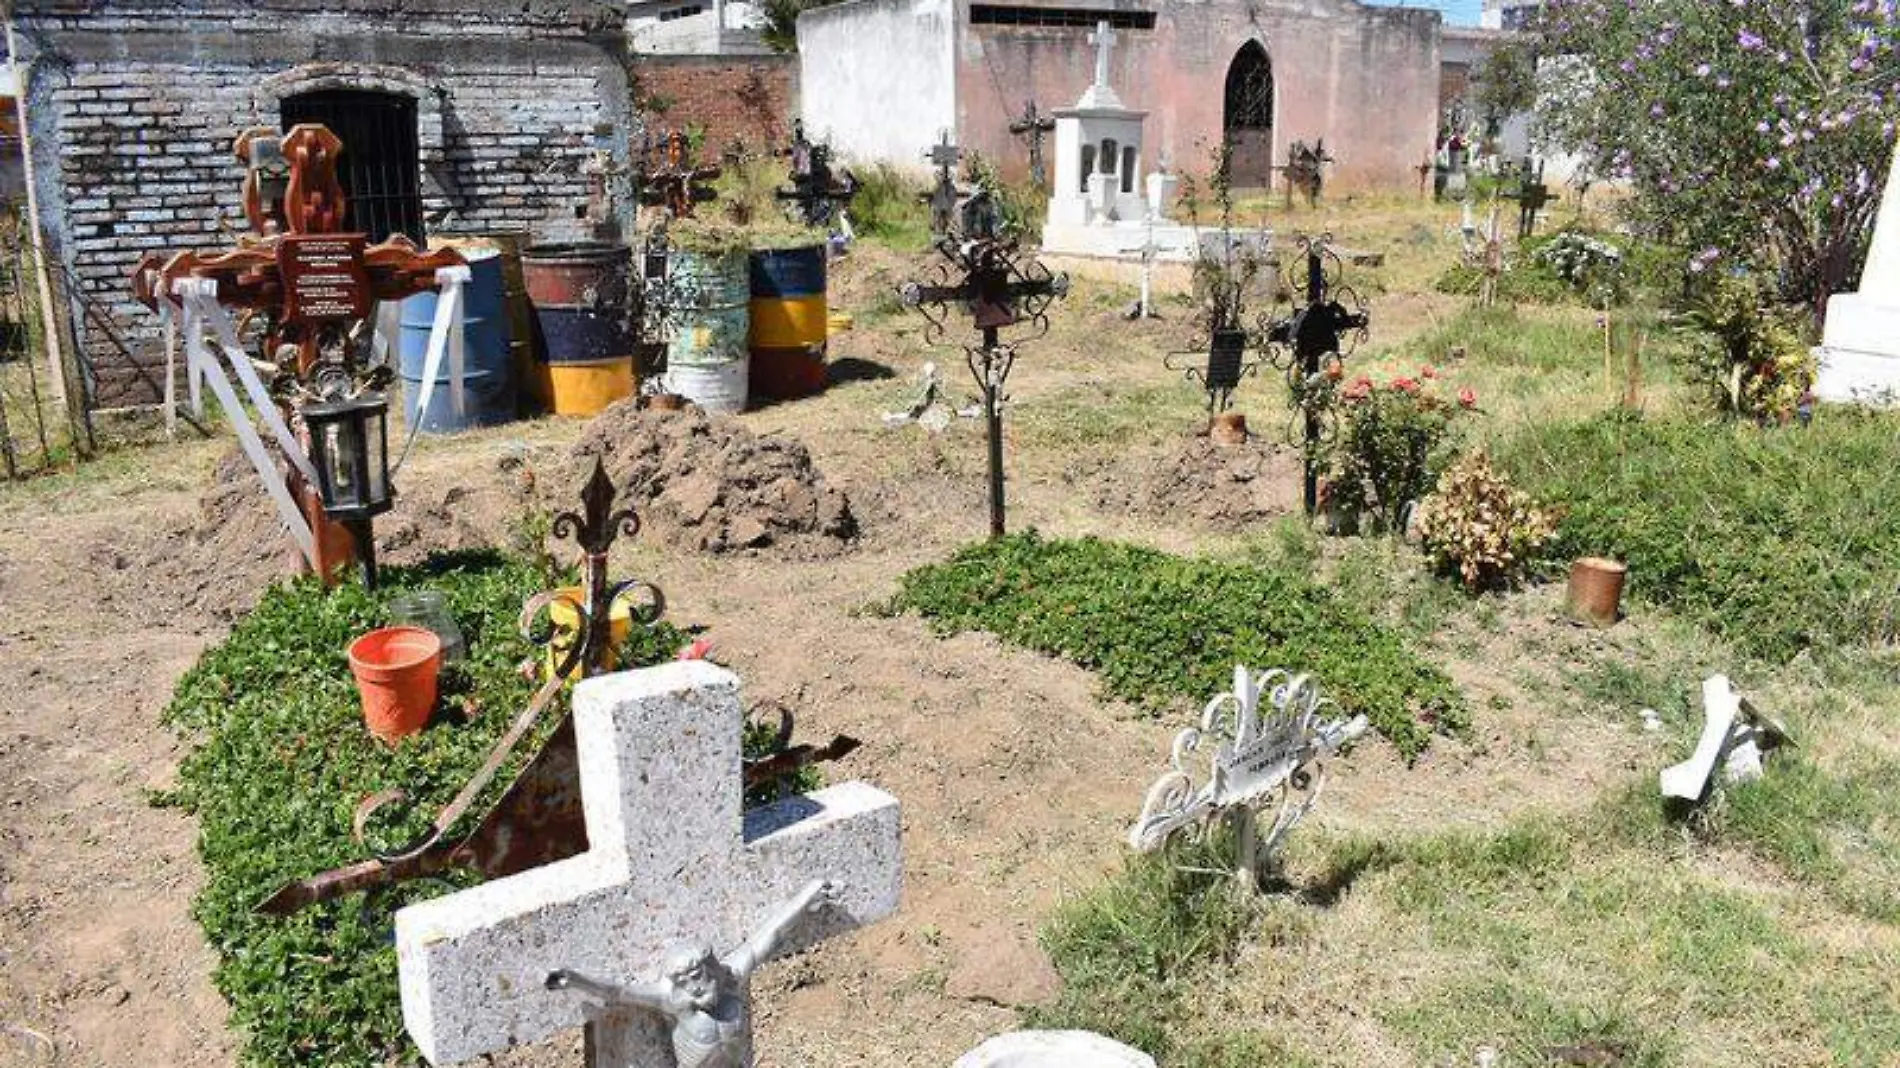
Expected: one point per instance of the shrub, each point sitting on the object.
(1752, 357)
(1589, 265)
(1166, 631)
(1392, 441)
(1477, 526)
(888, 206)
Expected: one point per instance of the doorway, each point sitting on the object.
(1247, 120)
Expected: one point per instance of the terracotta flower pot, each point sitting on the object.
(1228, 428)
(396, 669)
(1596, 590)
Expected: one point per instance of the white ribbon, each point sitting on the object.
(170, 329)
(445, 338)
(202, 312)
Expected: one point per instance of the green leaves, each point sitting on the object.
(1165, 631)
(282, 761)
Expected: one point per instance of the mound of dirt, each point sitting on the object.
(708, 484)
(224, 559)
(1222, 486)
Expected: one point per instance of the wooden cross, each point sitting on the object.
(1532, 196)
(313, 283)
(649, 938)
(1035, 126)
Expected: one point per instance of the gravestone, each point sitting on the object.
(650, 937)
(1860, 348)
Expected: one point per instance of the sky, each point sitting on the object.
(1457, 12)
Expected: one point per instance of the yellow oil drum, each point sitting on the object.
(587, 387)
(790, 321)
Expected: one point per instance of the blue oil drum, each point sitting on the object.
(487, 378)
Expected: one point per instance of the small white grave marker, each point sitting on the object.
(1257, 754)
(650, 936)
(1734, 733)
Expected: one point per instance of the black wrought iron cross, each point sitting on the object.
(1301, 340)
(1000, 291)
(1034, 125)
(815, 189)
(1532, 196)
(675, 183)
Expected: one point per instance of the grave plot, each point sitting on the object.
(1491, 872)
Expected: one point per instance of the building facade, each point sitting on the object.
(883, 78)
(457, 116)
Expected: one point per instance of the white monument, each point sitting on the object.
(1102, 204)
(651, 936)
(1860, 349)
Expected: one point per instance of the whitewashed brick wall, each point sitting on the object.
(135, 104)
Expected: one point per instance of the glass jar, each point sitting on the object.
(430, 609)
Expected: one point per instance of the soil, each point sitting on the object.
(1017, 779)
(707, 483)
(1225, 487)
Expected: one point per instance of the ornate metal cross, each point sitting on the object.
(1000, 290)
(675, 183)
(943, 197)
(1302, 340)
(817, 193)
(1531, 194)
(1035, 126)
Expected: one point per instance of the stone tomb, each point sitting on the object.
(650, 937)
(1102, 206)
(1860, 350)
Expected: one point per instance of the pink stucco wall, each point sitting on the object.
(1366, 79)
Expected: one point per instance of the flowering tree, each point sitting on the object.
(1754, 133)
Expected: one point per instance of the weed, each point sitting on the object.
(1164, 630)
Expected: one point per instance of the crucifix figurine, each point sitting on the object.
(1000, 291)
(1035, 126)
(616, 939)
(701, 994)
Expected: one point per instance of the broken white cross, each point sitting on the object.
(1733, 731)
(650, 936)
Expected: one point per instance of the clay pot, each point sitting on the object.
(396, 669)
(1228, 428)
(1596, 589)
(666, 402)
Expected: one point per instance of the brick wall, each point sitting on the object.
(134, 105)
(734, 98)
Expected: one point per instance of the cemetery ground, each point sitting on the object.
(1514, 884)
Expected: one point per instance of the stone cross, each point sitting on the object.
(1104, 41)
(649, 938)
(943, 198)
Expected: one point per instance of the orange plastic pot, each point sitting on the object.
(1596, 590)
(396, 669)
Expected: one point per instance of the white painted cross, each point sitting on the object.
(1104, 41)
(674, 868)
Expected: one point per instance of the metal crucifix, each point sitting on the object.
(675, 183)
(942, 198)
(1000, 290)
(1034, 126)
(1300, 341)
(1531, 194)
(817, 192)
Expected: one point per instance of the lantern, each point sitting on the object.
(349, 446)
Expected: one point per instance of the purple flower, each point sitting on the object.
(1749, 40)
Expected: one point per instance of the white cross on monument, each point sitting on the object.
(650, 937)
(1104, 41)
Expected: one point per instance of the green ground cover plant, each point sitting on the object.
(282, 758)
(1166, 631)
(1777, 540)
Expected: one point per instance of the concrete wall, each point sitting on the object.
(134, 105)
(1364, 78)
(733, 98)
(877, 78)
